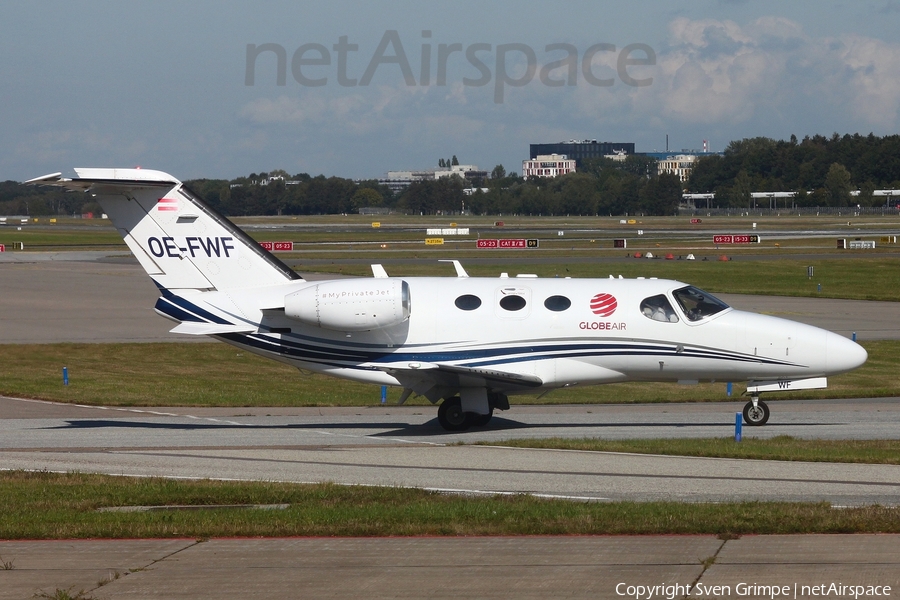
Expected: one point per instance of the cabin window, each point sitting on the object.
(557, 303)
(468, 302)
(697, 304)
(659, 309)
(512, 303)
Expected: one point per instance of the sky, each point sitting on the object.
(222, 89)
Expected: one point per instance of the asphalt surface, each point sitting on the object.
(404, 446)
(88, 300)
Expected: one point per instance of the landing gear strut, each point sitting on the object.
(481, 420)
(756, 412)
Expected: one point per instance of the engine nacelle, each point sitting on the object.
(351, 304)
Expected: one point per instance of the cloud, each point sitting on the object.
(57, 146)
(283, 110)
(891, 7)
(395, 108)
(870, 74)
(712, 79)
(719, 72)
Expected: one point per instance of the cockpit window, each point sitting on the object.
(697, 304)
(658, 309)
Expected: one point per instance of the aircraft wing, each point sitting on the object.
(435, 380)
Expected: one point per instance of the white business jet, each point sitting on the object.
(467, 342)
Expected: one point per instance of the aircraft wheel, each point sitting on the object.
(481, 420)
(756, 416)
(451, 415)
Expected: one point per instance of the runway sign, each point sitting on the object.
(736, 239)
(277, 246)
(509, 243)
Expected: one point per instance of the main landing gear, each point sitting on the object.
(452, 417)
(756, 412)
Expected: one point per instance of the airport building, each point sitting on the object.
(679, 164)
(547, 165)
(579, 150)
(398, 181)
(468, 172)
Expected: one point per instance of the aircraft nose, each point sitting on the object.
(843, 354)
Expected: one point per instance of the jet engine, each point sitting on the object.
(350, 304)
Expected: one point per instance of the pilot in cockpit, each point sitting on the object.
(658, 309)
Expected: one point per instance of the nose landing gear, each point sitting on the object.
(756, 412)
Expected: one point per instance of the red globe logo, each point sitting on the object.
(604, 304)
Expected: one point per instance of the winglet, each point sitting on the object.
(51, 178)
(192, 328)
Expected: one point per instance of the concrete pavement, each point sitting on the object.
(495, 567)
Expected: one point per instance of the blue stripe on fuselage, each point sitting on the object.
(340, 357)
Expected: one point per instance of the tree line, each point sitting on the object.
(822, 170)
(603, 187)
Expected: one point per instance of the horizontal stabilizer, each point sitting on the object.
(88, 178)
(787, 385)
(193, 328)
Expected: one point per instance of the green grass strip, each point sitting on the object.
(215, 374)
(65, 506)
(783, 447)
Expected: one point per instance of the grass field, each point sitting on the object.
(216, 374)
(66, 506)
(324, 243)
(883, 452)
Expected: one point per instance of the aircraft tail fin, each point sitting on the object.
(180, 241)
